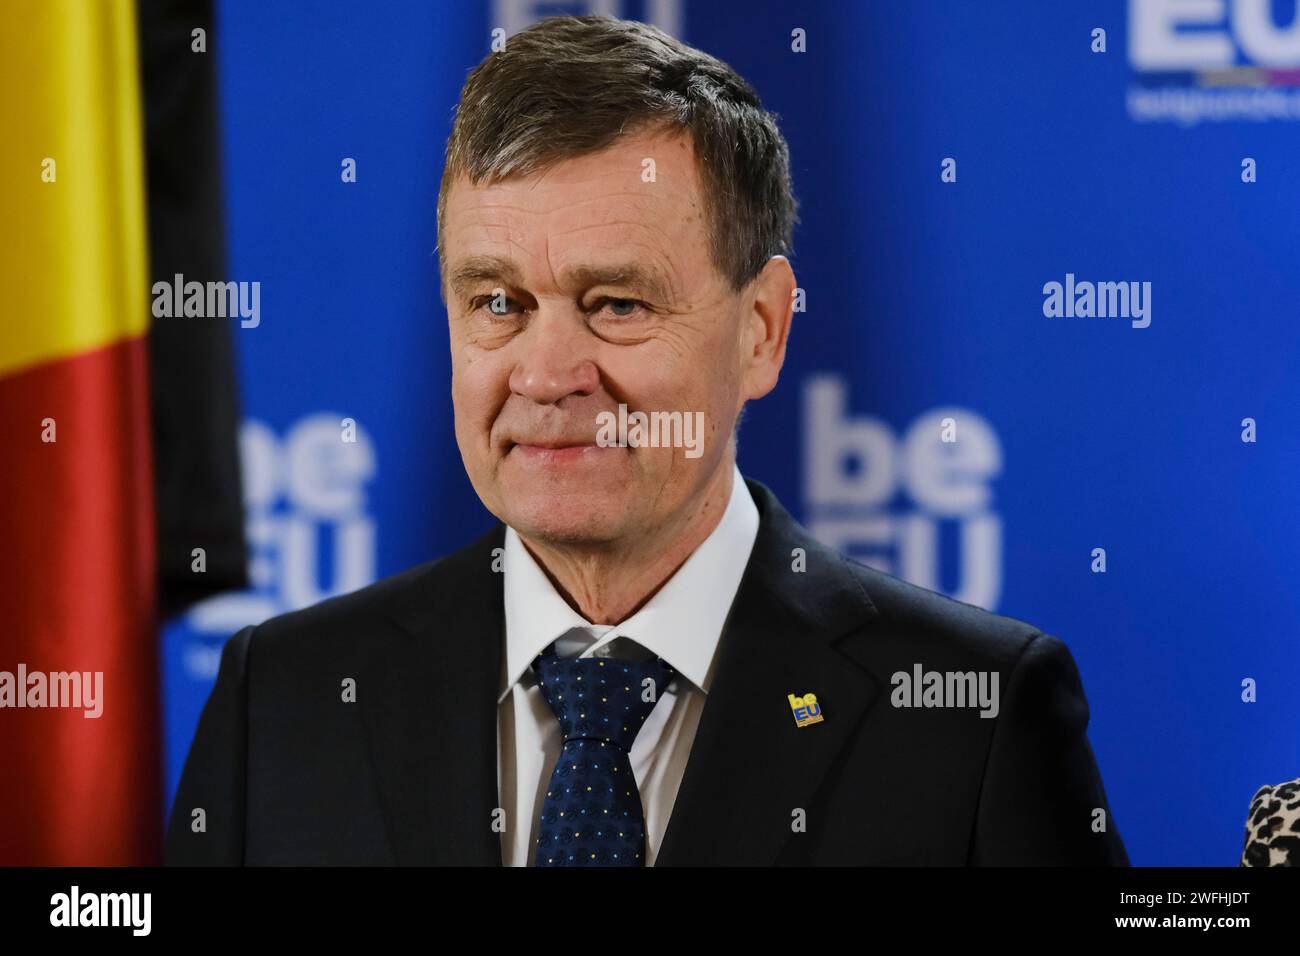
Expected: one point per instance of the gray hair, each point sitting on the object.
(568, 86)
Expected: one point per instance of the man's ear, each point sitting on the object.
(767, 327)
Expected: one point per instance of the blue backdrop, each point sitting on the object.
(925, 300)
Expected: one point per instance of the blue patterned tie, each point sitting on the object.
(592, 813)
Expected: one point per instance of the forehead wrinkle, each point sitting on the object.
(511, 197)
(629, 274)
(660, 245)
(656, 267)
(476, 268)
(487, 265)
(643, 207)
(517, 195)
(650, 226)
(634, 209)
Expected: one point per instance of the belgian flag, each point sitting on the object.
(117, 454)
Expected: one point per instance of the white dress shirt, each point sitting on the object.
(681, 623)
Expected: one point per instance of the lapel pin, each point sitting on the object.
(806, 709)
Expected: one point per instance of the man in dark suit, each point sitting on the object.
(647, 661)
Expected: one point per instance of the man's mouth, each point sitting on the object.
(553, 445)
(563, 451)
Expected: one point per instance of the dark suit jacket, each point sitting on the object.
(287, 772)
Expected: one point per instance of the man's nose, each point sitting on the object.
(555, 357)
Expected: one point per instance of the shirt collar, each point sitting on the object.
(681, 623)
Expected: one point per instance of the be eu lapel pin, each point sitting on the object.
(806, 709)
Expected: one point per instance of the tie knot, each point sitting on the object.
(601, 699)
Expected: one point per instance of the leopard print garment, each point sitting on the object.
(1273, 828)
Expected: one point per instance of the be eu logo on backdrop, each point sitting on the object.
(310, 533)
(886, 500)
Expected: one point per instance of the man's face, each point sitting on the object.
(610, 296)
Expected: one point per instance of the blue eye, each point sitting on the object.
(631, 304)
(619, 308)
(490, 301)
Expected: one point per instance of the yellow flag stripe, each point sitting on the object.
(75, 269)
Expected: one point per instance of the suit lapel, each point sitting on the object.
(429, 705)
(751, 767)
